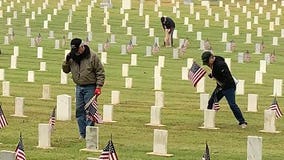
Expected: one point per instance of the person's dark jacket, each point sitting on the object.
(222, 74)
(88, 69)
(169, 24)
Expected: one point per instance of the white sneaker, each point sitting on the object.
(244, 125)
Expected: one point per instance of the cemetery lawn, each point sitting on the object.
(181, 114)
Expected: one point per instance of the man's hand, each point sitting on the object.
(97, 91)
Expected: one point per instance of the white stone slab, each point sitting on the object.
(155, 118)
(44, 136)
(115, 97)
(209, 119)
(108, 113)
(252, 102)
(160, 143)
(63, 107)
(254, 148)
(203, 101)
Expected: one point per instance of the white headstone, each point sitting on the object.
(125, 68)
(147, 19)
(44, 135)
(159, 98)
(39, 52)
(157, 83)
(45, 91)
(224, 37)
(6, 88)
(123, 49)
(112, 38)
(126, 4)
(252, 102)
(31, 75)
(226, 23)
(2, 74)
(269, 121)
(200, 87)
(115, 97)
(275, 41)
(259, 32)
(184, 73)
(63, 77)
(258, 77)
(63, 107)
(19, 107)
(128, 82)
(13, 64)
(240, 90)
(254, 148)
(108, 113)
(190, 28)
(240, 57)
(248, 38)
(133, 60)
(204, 97)
(262, 66)
(161, 61)
(209, 119)
(7, 155)
(148, 51)
(160, 143)
(155, 118)
(277, 87)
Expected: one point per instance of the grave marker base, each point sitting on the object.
(264, 131)
(159, 154)
(157, 125)
(91, 150)
(44, 147)
(15, 115)
(202, 127)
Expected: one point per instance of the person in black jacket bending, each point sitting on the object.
(169, 26)
(226, 85)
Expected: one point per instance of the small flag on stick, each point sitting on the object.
(156, 48)
(3, 121)
(206, 155)
(91, 109)
(108, 152)
(129, 46)
(274, 106)
(20, 153)
(106, 45)
(195, 73)
(52, 118)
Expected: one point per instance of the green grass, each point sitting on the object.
(181, 114)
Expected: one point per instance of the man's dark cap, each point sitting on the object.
(75, 44)
(205, 57)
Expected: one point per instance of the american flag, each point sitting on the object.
(206, 155)
(129, 46)
(195, 73)
(155, 48)
(106, 45)
(109, 152)
(273, 56)
(92, 111)
(3, 121)
(275, 106)
(247, 56)
(38, 39)
(20, 153)
(52, 118)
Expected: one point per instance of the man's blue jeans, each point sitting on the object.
(83, 95)
(230, 95)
